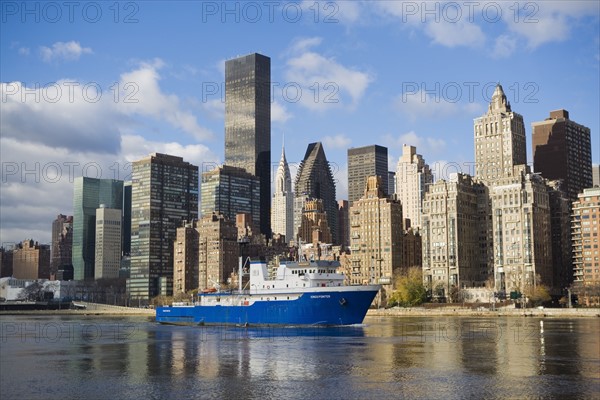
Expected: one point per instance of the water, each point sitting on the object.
(58, 357)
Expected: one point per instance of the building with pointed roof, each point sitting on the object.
(315, 180)
(282, 207)
(499, 140)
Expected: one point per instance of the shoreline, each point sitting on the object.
(503, 312)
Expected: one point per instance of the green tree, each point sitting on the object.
(410, 290)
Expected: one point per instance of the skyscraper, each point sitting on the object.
(218, 250)
(413, 178)
(344, 223)
(375, 237)
(230, 191)
(88, 194)
(499, 140)
(164, 194)
(282, 207)
(62, 242)
(362, 163)
(248, 124)
(186, 262)
(126, 228)
(31, 260)
(108, 242)
(450, 236)
(586, 243)
(315, 180)
(562, 150)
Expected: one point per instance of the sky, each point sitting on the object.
(89, 87)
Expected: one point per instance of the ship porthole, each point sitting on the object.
(343, 301)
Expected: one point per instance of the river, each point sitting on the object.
(60, 357)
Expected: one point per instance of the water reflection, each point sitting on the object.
(409, 357)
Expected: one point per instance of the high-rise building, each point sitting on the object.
(282, 206)
(522, 234)
(315, 180)
(499, 140)
(6, 262)
(344, 224)
(31, 260)
(560, 225)
(164, 194)
(562, 150)
(230, 191)
(126, 227)
(218, 250)
(248, 124)
(586, 244)
(186, 261)
(391, 183)
(412, 249)
(375, 238)
(362, 163)
(413, 177)
(88, 194)
(450, 237)
(62, 242)
(314, 223)
(596, 175)
(108, 242)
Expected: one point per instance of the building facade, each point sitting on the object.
(218, 250)
(450, 237)
(31, 260)
(88, 194)
(362, 163)
(62, 242)
(344, 224)
(586, 245)
(522, 234)
(560, 225)
(499, 140)
(164, 194)
(596, 175)
(282, 206)
(230, 191)
(314, 224)
(562, 150)
(413, 177)
(186, 258)
(108, 243)
(375, 238)
(248, 124)
(314, 180)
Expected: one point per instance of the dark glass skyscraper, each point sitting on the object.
(248, 123)
(362, 163)
(164, 193)
(314, 180)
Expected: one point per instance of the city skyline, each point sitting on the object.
(381, 102)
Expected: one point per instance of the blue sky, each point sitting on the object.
(88, 88)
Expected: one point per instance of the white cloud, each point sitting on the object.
(451, 35)
(148, 99)
(426, 145)
(279, 112)
(340, 141)
(324, 82)
(304, 44)
(63, 51)
(504, 47)
(547, 21)
(24, 51)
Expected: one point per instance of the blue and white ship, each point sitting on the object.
(302, 293)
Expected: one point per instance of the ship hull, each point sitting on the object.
(329, 308)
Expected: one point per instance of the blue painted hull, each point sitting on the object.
(316, 308)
